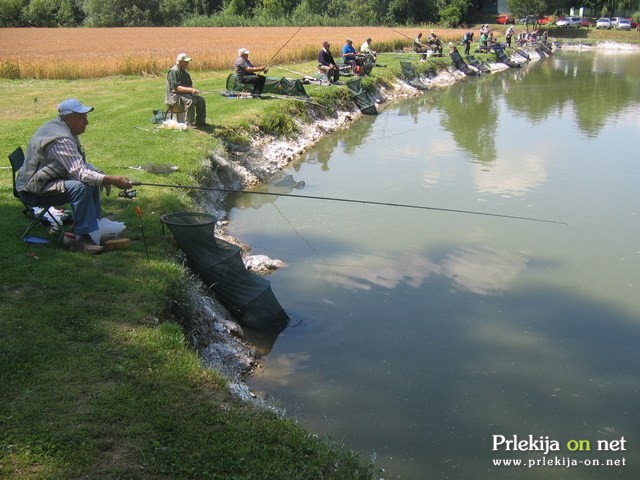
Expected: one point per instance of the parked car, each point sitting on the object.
(603, 22)
(528, 20)
(633, 23)
(623, 24)
(545, 20)
(569, 22)
(586, 22)
(504, 19)
(614, 21)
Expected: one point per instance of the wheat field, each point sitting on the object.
(71, 53)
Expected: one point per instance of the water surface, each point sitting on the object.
(419, 335)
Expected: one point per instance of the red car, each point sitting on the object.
(504, 19)
(545, 20)
(586, 22)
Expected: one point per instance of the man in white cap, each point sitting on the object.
(180, 92)
(246, 72)
(435, 43)
(55, 166)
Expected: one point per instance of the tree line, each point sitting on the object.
(147, 13)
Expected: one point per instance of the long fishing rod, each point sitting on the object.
(348, 200)
(305, 76)
(400, 33)
(285, 43)
(247, 95)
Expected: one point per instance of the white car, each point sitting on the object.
(569, 22)
(623, 24)
(603, 23)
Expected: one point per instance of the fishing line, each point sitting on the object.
(350, 200)
(299, 235)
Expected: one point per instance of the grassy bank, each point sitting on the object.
(97, 379)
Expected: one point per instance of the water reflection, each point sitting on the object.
(423, 335)
(476, 269)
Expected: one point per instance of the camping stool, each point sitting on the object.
(175, 112)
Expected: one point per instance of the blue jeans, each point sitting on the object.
(84, 200)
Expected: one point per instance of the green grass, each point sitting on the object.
(97, 379)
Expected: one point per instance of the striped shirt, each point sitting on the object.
(241, 65)
(65, 151)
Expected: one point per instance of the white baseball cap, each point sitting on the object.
(183, 57)
(243, 51)
(71, 105)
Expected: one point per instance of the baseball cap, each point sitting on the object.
(71, 105)
(242, 51)
(183, 57)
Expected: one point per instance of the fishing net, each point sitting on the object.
(502, 57)
(473, 61)
(460, 64)
(273, 85)
(409, 75)
(365, 100)
(247, 296)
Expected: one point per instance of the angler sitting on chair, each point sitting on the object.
(349, 55)
(435, 43)
(246, 72)
(180, 92)
(56, 168)
(420, 47)
(326, 63)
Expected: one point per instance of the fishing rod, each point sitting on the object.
(247, 95)
(400, 33)
(305, 76)
(348, 200)
(285, 44)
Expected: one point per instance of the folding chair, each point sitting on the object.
(17, 159)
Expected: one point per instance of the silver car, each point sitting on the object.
(623, 24)
(569, 22)
(603, 23)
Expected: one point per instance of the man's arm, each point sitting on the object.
(66, 153)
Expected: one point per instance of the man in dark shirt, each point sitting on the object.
(180, 92)
(326, 63)
(246, 72)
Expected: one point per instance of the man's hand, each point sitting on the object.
(117, 180)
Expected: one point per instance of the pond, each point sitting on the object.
(428, 339)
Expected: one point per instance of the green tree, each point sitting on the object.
(276, 8)
(235, 7)
(452, 12)
(11, 12)
(122, 13)
(50, 13)
(174, 11)
(523, 8)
